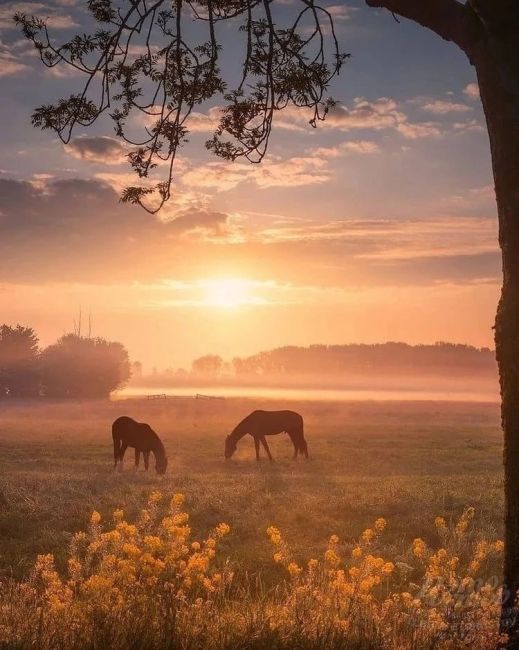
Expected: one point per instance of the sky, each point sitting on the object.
(378, 225)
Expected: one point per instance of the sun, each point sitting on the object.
(229, 293)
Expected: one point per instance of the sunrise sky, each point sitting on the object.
(379, 225)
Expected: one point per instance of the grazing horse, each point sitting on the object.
(267, 423)
(129, 433)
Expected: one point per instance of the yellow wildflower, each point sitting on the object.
(464, 521)
(332, 558)
(155, 497)
(222, 529)
(294, 569)
(153, 542)
(388, 568)
(380, 524)
(177, 500)
(95, 518)
(274, 535)
(441, 525)
(419, 548)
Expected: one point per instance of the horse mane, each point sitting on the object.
(239, 431)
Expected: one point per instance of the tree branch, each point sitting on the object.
(450, 19)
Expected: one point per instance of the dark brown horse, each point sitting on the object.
(267, 423)
(129, 433)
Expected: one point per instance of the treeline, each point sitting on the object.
(75, 366)
(352, 360)
(363, 359)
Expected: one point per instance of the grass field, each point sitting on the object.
(406, 462)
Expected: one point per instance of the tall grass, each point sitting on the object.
(147, 584)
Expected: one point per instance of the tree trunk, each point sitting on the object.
(497, 66)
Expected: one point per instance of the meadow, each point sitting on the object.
(405, 464)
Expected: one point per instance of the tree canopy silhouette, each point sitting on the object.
(210, 366)
(282, 66)
(175, 71)
(19, 362)
(77, 366)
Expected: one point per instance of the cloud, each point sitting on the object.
(379, 114)
(475, 198)
(443, 107)
(10, 64)
(340, 12)
(212, 223)
(221, 176)
(472, 91)
(414, 131)
(292, 172)
(196, 122)
(62, 71)
(349, 146)
(76, 229)
(54, 15)
(98, 149)
(204, 122)
(382, 113)
(468, 126)
(396, 238)
(394, 251)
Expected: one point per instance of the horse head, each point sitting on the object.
(230, 447)
(161, 464)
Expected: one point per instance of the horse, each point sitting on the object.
(126, 432)
(267, 423)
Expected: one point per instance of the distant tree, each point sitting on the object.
(77, 366)
(136, 369)
(210, 366)
(19, 362)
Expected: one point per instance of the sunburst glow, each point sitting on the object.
(228, 293)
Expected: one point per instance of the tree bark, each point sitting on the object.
(497, 66)
(488, 32)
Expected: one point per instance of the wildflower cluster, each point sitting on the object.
(427, 597)
(148, 584)
(146, 571)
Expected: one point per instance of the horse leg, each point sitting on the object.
(293, 438)
(146, 455)
(256, 446)
(266, 447)
(117, 450)
(304, 446)
(137, 457)
(122, 451)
